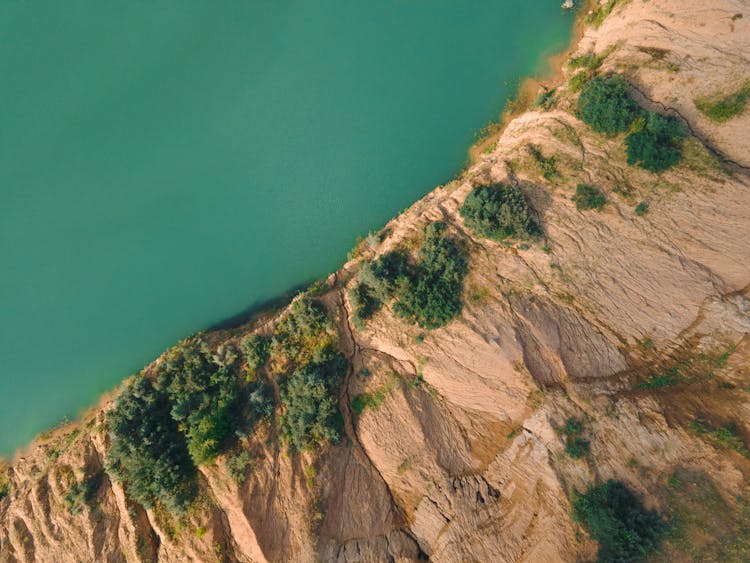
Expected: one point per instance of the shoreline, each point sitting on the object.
(550, 75)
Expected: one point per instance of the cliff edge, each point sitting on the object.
(610, 345)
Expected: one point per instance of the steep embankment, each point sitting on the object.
(634, 325)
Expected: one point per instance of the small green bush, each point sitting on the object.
(658, 145)
(545, 99)
(641, 208)
(82, 494)
(606, 106)
(547, 164)
(239, 465)
(432, 297)
(310, 400)
(364, 304)
(589, 197)
(724, 108)
(255, 349)
(499, 212)
(575, 445)
(615, 517)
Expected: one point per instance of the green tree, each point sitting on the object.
(499, 212)
(614, 517)
(310, 400)
(606, 106)
(658, 145)
(148, 453)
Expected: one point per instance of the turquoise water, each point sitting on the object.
(166, 164)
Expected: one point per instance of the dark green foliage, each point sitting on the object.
(255, 349)
(433, 296)
(615, 517)
(499, 212)
(658, 145)
(606, 106)
(589, 197)
(385, 275)
(82, 494)
(204, 398)
(310, 400)
(641, 208)
(727, 436)
(303, 335)
(148, 452)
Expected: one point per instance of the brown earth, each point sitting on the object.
(463, 460)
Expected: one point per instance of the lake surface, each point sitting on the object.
(165, 164)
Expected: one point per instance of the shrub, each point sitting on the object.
(239, 465)
(575, 445)
(304, 334)
(364, 304)
(433, 295)
(255, 348)
(148, 453)
(606, 106)
(724, 108)
(499, 212)
(614, 517)
(260, 401)
(82, 494)
(545, 99)
(204, 398)
(310, 400)
(589, 197)
(658, 145)
(547, 164)
(641, 208)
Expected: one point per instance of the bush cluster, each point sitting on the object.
(82, 494)
(304, 335)
(615, 517)
(255, 349)
(654, 141)
(606, 106)
(148, 452)
(310, 399)
(427, 292)
(498, 212)
(204, 398)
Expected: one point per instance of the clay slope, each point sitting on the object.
(462, 457)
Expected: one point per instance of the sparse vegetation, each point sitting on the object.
(589, 197)
(498, 212)
(722, 108)
(606, 106)
(579, 80)
(82, 494)
(597, 16)
(726, 436)
(576, 446)
(375, 398)
(545, 99)
(239, 465)
(616, 518)
(547, 165)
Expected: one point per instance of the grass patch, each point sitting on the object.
(373, 399)
(722, 108)
(727, 436)
(597, 17)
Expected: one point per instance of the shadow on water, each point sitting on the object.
(257, 308)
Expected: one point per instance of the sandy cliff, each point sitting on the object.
(463, 458)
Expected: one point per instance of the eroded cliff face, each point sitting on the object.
(462, 456)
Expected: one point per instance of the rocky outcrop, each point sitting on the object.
(463, 459)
